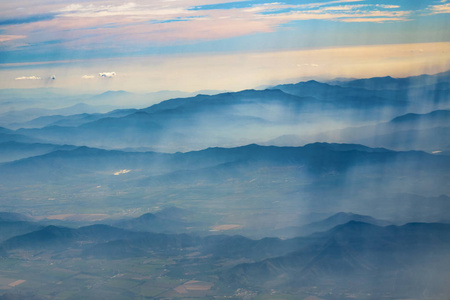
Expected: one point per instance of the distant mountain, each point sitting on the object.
(56, 237)
(10, 151)
(207, 102)
(5, 131)
(13, 217)
(431, 119)
(210, 164)
(32, 113)
(405, 132)
(240, 247)
(329, 223)
(352, 255)
(340, 97)
(167, 220)
(131, 130)
(112, 94)
(410, 131)
(424, 92)
(227, 119)
(153, 223)
(100, 240)
(390, 83)
(104, 241)
(189, 122)
(8, 136)
(9, 229)
(71, 120)
(429, 139)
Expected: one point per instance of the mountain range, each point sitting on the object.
(360, 257)
(308, 190)
(306, 109)
(353, 256)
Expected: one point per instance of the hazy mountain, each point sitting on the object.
(71, 120)
(410, 131)
(352, 255)
(153, 223)
(341, 97)
(429, 139)
(32, 113)
(188, 122)
(207, 102)
(317, 176)
(9, 229)
(390, 83)
(213, 163)
(168, 220)
(329, 223)
(13, 217)
(419, 93)
(234, 118)
(405, 132)
(431, 119)
(57, 237)
(10, 136)
(10, 151)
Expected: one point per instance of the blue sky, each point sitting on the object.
(67, 34)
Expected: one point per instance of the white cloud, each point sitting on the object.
(124, 171)
(387, 6)
(127, 9)
(28, 78)
(88, 76)
(107, 74)
(440, 9)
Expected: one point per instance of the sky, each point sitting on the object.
(187, 45)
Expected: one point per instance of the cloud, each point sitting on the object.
(122, 172)
(88, 76)
(5, 38)
(308, 65)
(28, 78)
(107, 74)
(440, 8)
(124, 27)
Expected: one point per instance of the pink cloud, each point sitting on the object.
(94, 25)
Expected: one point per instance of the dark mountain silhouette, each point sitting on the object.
(58, 237)
(431, 119)
(9, 229)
